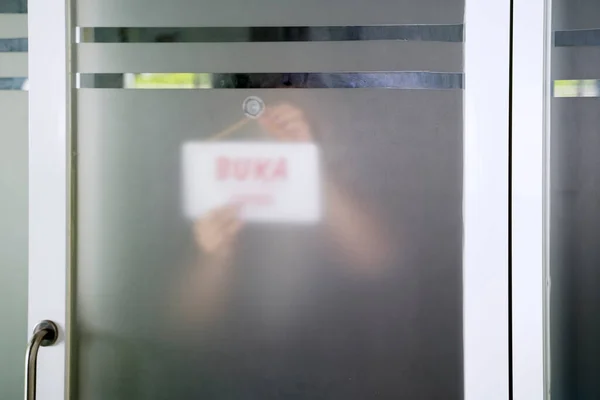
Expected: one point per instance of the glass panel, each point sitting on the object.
(13, 196)
(575, 198)
(13, 237)
(294, 234)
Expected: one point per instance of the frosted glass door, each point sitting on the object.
(270, 200)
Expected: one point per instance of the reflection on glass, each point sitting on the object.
(381, 80)
(441, 33)
(167, 81)
(577, 88)
(258, 187)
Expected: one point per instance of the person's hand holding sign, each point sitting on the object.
(216, 232)
(286, 122)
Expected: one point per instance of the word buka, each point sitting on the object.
(249, 169)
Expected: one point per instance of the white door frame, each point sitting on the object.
(49, 192)
(485, 258)
(531, 88)
(486, 182)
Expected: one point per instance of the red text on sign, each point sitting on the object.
(251, 169)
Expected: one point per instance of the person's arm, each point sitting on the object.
(356, 230)
(205, 287)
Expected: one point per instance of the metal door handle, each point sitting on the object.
(44, 334)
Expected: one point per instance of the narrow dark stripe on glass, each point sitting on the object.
(576, 38)
(13, 45)
(13, 7)
(12, 83)
(430, 33)
(382, 80)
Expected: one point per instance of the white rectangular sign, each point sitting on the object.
(273, 182)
